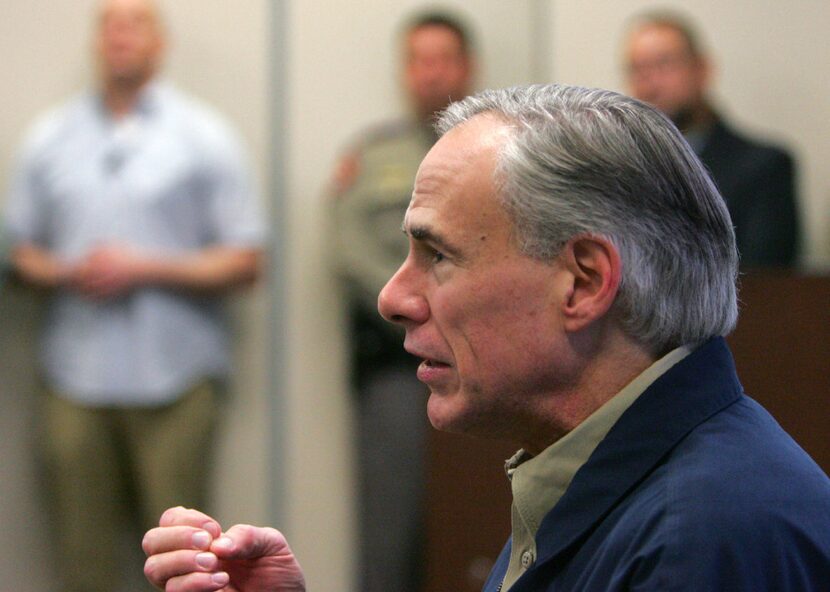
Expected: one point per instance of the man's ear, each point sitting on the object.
(594, 271)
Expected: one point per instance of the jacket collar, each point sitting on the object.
(696, 388)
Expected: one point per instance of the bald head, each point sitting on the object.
(130, 42)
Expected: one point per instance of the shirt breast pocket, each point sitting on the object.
(167, 202)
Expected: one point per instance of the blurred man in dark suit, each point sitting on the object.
(666, 67)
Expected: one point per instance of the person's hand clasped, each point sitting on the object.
(110, 271)
(189, 552)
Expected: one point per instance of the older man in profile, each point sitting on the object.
(570, 278)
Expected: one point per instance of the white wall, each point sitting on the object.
(771, 78)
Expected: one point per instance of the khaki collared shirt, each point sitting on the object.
(539, 482)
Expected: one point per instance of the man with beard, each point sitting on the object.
(665, 66)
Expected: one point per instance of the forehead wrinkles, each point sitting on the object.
(432, 180)
(436, 178)
(467, 158)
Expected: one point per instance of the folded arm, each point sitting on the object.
(113, 270)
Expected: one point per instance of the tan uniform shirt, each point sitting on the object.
(368, 245)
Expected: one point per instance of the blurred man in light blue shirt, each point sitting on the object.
(134, 206)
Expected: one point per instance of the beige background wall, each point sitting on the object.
(340, 68)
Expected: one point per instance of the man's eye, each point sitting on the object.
(437, 256)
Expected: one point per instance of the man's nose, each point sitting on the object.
(400, 300)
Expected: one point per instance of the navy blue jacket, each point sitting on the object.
(697, 488)
(758, 183)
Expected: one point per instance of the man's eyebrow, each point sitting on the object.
(425, 234)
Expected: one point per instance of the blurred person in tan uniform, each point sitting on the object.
(372, 187)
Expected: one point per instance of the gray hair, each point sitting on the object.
(593, 162)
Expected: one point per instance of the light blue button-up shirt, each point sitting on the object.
(168, 178)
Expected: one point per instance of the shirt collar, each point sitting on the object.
(148, 104)
(539, 482)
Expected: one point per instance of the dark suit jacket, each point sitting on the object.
(758, 184)
(697, 488)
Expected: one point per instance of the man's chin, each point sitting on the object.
(427, 108)
(450, 413)
(126, 75)
(682, 118)
(443, 413)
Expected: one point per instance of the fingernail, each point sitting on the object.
(220, 578)
(206, 560)
(224, 542)
(201, 539)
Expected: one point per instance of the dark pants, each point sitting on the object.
(392, 426)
